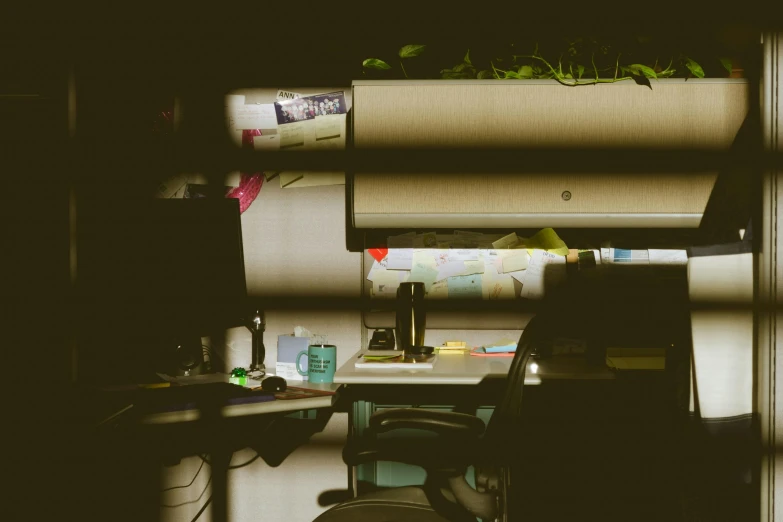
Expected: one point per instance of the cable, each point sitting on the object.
(188, 484)
(190, 501)
(236, 466)
(200, 511)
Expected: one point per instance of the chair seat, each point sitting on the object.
(405, 504)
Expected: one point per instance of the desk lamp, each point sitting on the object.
(257, 325)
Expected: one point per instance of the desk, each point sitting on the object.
(457, 382)
(139, 444)
(465, 369)
(256, 408)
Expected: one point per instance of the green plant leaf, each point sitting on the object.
(375, 63)
(512, 74)
(580, 70)
(525, 71)
(467, 58)
(409, 51)
(726, 62)
(694, 68)
(643, 69)
(485, 74)
(464, 67)
(641, 79)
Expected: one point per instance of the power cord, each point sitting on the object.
(236, 466)
(190, 501)
(189, 483)
(204, 460)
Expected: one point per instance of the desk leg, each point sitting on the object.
(353, 486)
(364, 473)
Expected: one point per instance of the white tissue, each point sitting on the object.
(301, 331)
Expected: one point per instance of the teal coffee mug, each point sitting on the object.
(321, 362)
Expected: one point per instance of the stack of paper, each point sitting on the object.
(408, 361)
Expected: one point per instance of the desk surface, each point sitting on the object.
(256, 408)
(466, 369)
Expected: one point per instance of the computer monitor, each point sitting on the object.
(165, 272)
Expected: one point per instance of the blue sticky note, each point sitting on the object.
(465, 287)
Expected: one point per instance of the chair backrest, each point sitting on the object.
(508, 412)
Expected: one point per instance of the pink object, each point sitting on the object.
(249, 184)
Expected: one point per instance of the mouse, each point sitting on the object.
(274, 384)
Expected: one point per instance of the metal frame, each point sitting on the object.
(769, 399)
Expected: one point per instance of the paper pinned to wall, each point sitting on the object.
(496, 286)
(255, 116)
(427, 240)
(625, 256)
(506, 241)
(514, 260)
(450, 269)
(463, 254)
(286, 95)
(465, 287)
(544, 270)
(266, 142)
(400, 256)
(439, 290)
(328, 127)
(473, 267)
(291, 135)
(323, 122)
(519, 276)
(230, 104)
(667, 257)
(422, 273)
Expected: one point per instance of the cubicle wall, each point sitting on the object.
(478, 114)
(294, 245)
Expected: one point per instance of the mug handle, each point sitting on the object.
(298, 358)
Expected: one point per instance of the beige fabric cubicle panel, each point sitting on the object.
(704, 114)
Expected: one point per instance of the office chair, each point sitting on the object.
(446, 495)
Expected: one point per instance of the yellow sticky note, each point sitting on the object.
(547, 239)
(515, 261)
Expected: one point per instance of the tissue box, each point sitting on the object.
(288, 347)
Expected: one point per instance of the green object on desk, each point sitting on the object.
(238, 376)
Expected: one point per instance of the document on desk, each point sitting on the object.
(544, 270)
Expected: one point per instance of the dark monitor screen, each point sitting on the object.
(157, 270)
(185, 265)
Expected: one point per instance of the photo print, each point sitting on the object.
(292, 111)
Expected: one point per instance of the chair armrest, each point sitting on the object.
(431, 454)
(440, 422)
